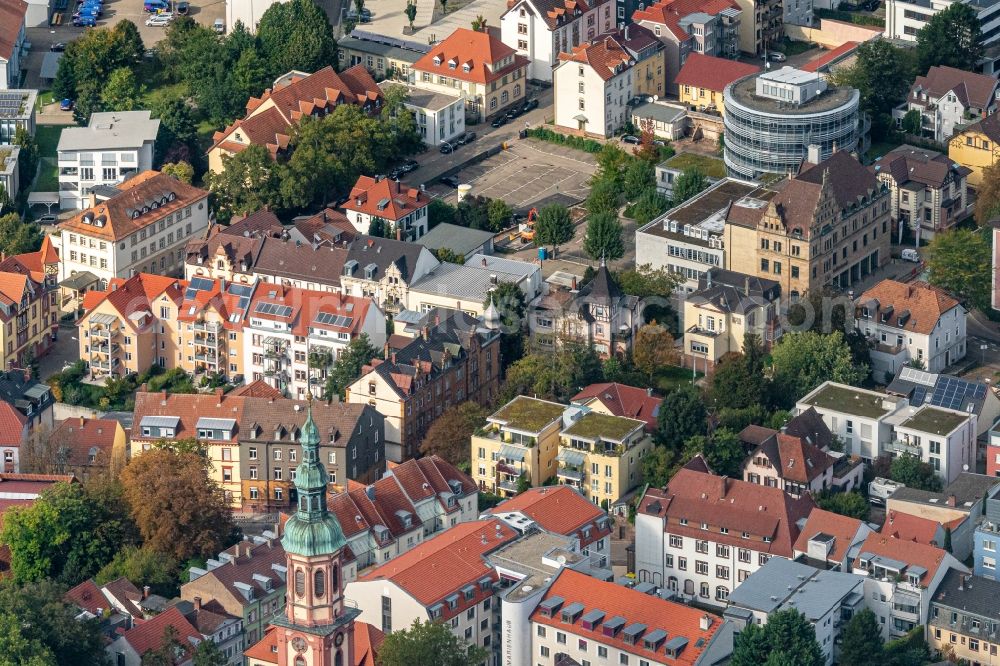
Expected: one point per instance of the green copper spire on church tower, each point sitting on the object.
(312, 530)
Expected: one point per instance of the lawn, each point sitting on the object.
(880, 148)
(47, 137)
(712, 167)
(45, 97)
(670, 377)
(788, 47)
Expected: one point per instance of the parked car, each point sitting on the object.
(628, 138)
(450, 181)
(774, 56)
(219, 26)
(515, 112)
(447, 147)
(47, 219)
(409, 166)
(183, 7)
(499, 121)
(58, 46)
(466, 138)
(66, 105)
(909, 254)
(151, 6)
(85, 21)
(87, 11)
(160, 20)
(530, 105)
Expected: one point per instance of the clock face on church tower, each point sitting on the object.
(339, 639)
(299, 644)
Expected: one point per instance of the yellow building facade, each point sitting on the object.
(601, 455)
(976, 147)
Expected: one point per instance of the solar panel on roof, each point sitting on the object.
(198, 284)
(275, 309)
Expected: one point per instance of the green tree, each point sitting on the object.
(657, 466)
(178, 135)
(650, 205)
(89, 61)
(604, 197)
(500, 214)
(296, 35)
(182, 171)
(428, 643)
(960, 261)
(479, 23)
(882, 74)
(951, 38)
(247, 183)
(862, 641)
(68, 534)
(410, 12)
(180, 511)
(142, 566)
(44, 628)
(473, 212)
(738, 381)
(448, 436)
(611, 164)
(358, 353)
(911, 122)
(122, 92)
(131, 48)
(640, 176)
(553, 226)
(445, 254)
(27, 161)
(803, 361)
(911, 471)
(508, 298)
(682, 416)
(846, 504)
(553, 376)
(18, 236)
(653, 349)
(723, 452)
(689, 183)
(786, 640)
(379, 228)
(208, 654)
(604, 237)
(645, 281)
(439, 211)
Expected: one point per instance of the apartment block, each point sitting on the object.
(600, 455)
(963, 618)
(29, 306)
(703, 535)
(594, 86)
(403, 209)
(947, 99)
(827, 539)
(113, 147)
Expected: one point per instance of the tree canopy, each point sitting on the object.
(358, 353)
(882, 74)
(951, 38)
(652, 349)
(604, 237)
(179, 510)
(682, 416)
(689, 183)
(960, 261)
(786, 640)
(428, 643)
(553, 226)
(18, 236)
(448, 436)
(296, 35)
(862, 641)
(911, 471)
(89, 61)
(247, 183)
(803, 361)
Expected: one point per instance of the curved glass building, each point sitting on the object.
(777, 119)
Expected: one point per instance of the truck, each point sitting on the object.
(881, 489)
(526, 230)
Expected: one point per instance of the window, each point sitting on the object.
(544, 651)
(676, 541)
(319, 583)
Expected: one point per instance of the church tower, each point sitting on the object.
(317, 629)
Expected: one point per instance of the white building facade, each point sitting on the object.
(593, 87)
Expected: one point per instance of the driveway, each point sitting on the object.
(65, 350)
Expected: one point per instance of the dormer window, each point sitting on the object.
(437, 60)
(466, 68)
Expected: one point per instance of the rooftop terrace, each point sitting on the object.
(528, 414)
(594, 425)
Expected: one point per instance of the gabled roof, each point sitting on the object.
(125, 593)
(148, 635)
(927, 168)
(257, 389)
(81, 436)
(928, 558)
(247, 570)
(990, 126)
(446, 563)
(12, 423)
(558, 509)
(907, 527)
(384, 197)
(475, 51)
(605, 56)
(308, 309)
(32, 264)
(670, 12)
(143, 200)
(910, 306)
(811, 427)
(843, 529)
(132, 298)
(739, 506)
(382, 253)
(711, 73)
(555, 13)
(795, 459)
(284, 258)
(971, 89)
(12, 14)
(650, 612)
(87, 596)
(623, 400)
(365, 646)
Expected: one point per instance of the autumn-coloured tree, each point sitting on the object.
(449, 435)
(653, 348)
(179, 510)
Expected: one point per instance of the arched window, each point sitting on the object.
(338, 659)
(300, 660)
(319, 583)
(300, 583)
(721, 593)
(335, 579)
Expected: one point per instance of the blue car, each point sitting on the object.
(66, 105)
(85, 21)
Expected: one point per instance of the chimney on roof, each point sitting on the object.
(952, 500)
(91, 200)
(219, 393)
(145, 591)
(82, 421)
(385, 349)
(197, 603)
(394, 357)
(746, 285)
(484, 262)
(425, 333)
(649, 392)
(705, 622)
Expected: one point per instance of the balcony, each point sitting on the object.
(211, 357)
(507, 486)
(901, 447)
(570, 473)
(209, 326)
(105, 365)
(508, 468)
(69, 171)
(105, 348)
(104, 332)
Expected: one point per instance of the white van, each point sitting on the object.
(909, 254)
(879, 490)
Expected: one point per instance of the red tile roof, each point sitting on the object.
(830, 57)
(443, 565)
(912, 553)
(677, 620)
(843, 529)
(972, 89)
(478, 51)
(367, 641)
(385, 198)
(799, 461)
(77, 436)
(907, 527)
(126, 594)
(113, 219)
(257, 389)
(149, 635)
(605, 56)
(670, 13)
(307, 304)
(30, 486)
(721, 502)
(911, 306)
(558, 509)
(711, 73)
(623, 400)
(88, 597)
(12, 423)
(12, 14)
(132, 298)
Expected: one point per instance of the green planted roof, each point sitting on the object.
(528, 414)
(848, 400)
(934, 421)
(594, 425)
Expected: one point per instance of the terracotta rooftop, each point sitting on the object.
(132, 298)
(670, 13)
(971, 89)
(910, 553)
(907, 527)
(560, 510)
(795, 459)
(384, 197)
(842, 528)
(623, 400)
(604, 55)
(651, 613)
(87, 596)
(830, 57)
(149, 634)
(12, 14)
(12, 423)
(468, 55)
(909, 306)
(83, 438)
(711, 73)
